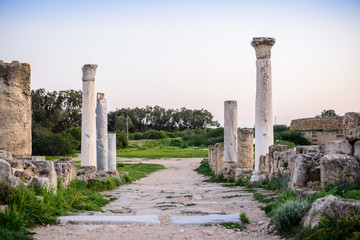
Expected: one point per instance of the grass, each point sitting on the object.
(244, 218)
(138, 170)
(232, 225)
(261, 198)
(158, 152)
(73, 155)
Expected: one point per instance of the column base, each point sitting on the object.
(256, 177)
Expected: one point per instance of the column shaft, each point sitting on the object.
(111, 151)
(230, 132)
(101, 133)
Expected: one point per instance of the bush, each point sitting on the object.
(332, 228)
(200, 138)
(153, 134)
(137, 136)
(244, 218)
(121, 139)
(288, 215)
(51, 144)
(294, 137)
(74, 137)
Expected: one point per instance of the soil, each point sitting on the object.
(175, 191)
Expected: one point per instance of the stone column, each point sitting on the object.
(245, 157)
(220, 158)
(230, 132)
(111, 151)
(263, 109)
(101, 133)
(15, 108)
(88, 121)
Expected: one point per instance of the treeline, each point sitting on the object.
(158, 118)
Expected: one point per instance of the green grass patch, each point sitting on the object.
(244, 218)
(73, 155)
(204, 169)
(232, 225)
(138, 170)
(232, 196)
(158, 152)
(261, 198)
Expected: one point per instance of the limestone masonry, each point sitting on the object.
(331, 123)
(15, 108)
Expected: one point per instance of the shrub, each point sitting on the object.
(74, 137)
(121, 139)
(288, 215)
(153, 134)
(137, 136)
(332, 228)
(51, 144)
(294, 137)
(204, 169)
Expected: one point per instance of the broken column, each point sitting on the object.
(101, 133)
(88, 121)
(230, 133)
(263, 109)
(15, 108)
(111, 151)
(245, 152)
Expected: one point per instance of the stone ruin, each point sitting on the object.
(243, 166)
(310, 167)
(17, 166)
(15, 108)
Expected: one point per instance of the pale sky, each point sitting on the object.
(191, 53)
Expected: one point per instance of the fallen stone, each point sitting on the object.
(206, 219)
(339, 169)
(14, 182)
(109, 219)
(6, 155)
(312, 149)
(40, 182)
(357, 150)
(66, 170)
(46, 169)
(334, 206)
(5, 170)
(340, 146)
(352, 126)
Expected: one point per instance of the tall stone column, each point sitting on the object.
(112, 151)
(230, 133)
(88, 121)
(264, 136)
(101, 133)
(15, 108)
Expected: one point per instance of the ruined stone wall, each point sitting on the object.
(15, 108)
(318, 138)
(333, 123)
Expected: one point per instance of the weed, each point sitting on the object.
(261, 198)
(244, 218)
(232, 196)
(190, 204)
(188, 196)
(204, 169)
(232, 225)
(169, 197)
(288, 215)
(332, 228)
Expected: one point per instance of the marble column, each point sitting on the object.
(88, 121)
(101, 133)
(263, 109)
(111, 151)
(230, 133)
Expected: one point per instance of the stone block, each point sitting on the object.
(220, 162)
(311, 150)
(243, 173)
(357, 150)
(352, 126)
(5, 155)
(339, 169)
(46, 169)
(334, 206)
(40, 182)
(341, 146)
(14, 182)
(300, 171)
(66, 170)
(5, 170)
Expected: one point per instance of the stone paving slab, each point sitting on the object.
(206, 219)
(98, 219)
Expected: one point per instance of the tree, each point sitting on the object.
(328, 113)
(56, 111)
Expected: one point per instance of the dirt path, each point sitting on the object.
(175, 191)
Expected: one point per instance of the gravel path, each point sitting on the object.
(175, 191)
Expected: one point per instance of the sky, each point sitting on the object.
(191, 53)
